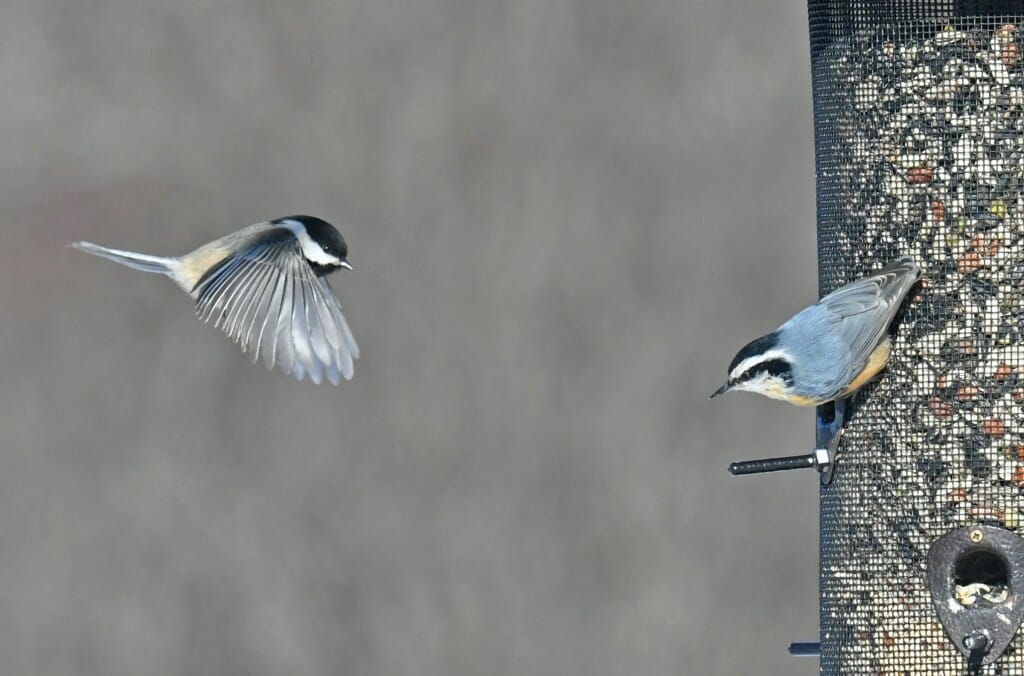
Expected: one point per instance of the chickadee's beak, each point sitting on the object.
(721, 390)
(346, 265)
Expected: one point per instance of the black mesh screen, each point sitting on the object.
(919, 135)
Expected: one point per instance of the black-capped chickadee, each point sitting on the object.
(265, 287)
(831, 349)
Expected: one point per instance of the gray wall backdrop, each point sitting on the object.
(564, 217)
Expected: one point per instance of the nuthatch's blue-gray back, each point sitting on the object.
(831, 349)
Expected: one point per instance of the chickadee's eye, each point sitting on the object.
(324, 247)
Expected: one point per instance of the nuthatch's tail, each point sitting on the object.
(896, 279)
(146, 263)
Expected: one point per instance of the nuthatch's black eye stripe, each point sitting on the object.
(779, 368)
(775, 367)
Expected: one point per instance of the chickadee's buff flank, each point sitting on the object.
(831, 349)
(265, 286)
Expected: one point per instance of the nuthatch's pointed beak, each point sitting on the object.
(721, 390)
(346, 265)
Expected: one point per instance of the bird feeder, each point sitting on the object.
(919, 140)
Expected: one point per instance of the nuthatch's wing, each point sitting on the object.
(864, 309)
(267, 299)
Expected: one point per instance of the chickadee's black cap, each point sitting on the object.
(322, 232)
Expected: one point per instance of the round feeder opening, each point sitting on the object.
(981, 567)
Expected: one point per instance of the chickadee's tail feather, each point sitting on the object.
(144, 262)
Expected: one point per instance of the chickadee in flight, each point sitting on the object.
(265, 286)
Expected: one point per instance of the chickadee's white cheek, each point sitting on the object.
(318, 255)
(310, 249)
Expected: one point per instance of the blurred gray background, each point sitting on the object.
(564, 217)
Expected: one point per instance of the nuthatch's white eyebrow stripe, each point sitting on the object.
(310, 249)
(742, 367)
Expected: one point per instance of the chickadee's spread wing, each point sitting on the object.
(864, 309)
(267, 299)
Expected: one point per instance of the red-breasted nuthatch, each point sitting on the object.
(831, 349)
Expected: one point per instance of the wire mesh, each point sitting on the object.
(919, 135)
